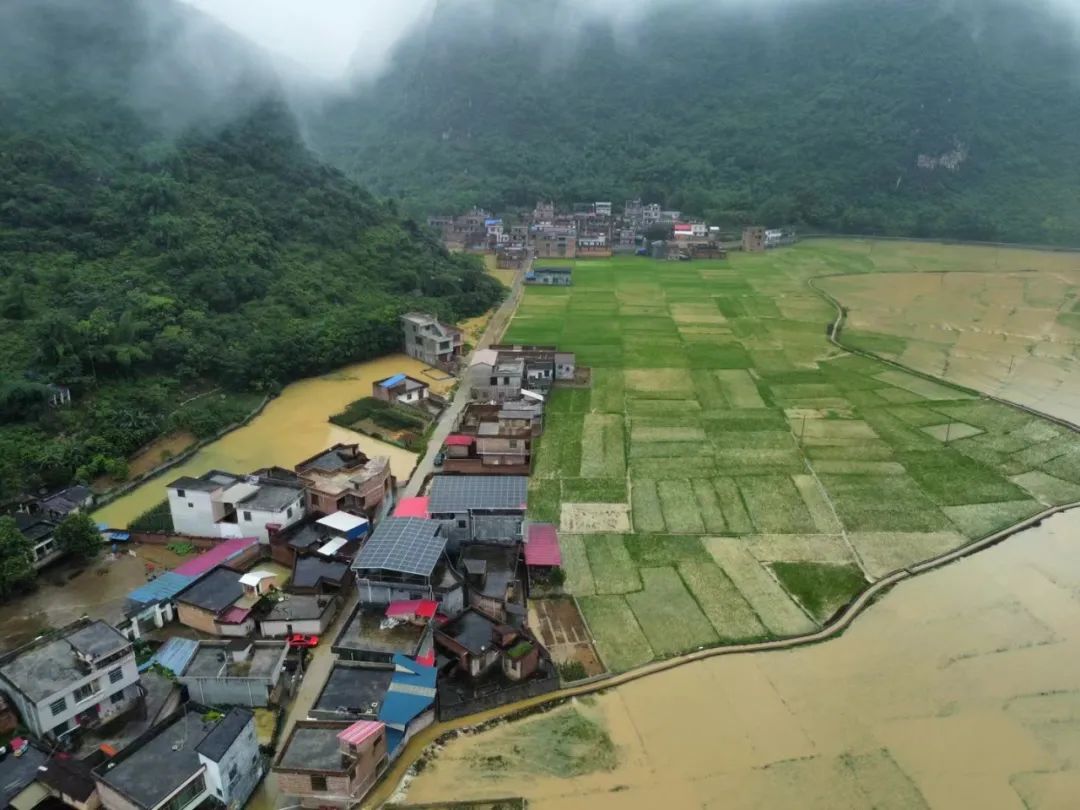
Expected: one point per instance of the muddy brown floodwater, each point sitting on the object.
(958, 689)
(291, 428)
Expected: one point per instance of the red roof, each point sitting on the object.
(424, 608)
(542, 547)
(427, 659)
(223, 551)
(235, 615)
(360, 731)
(457, 440)
(412, 507)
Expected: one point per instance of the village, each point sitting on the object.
(387, 612)
(596, 230)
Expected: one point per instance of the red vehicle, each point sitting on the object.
(301, 640)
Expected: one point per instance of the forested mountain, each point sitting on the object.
(164, 231)
(924, 117)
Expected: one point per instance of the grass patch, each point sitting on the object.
(612, 569)
(668, 614)
(821, 588)
(726, 609)
(619, 639)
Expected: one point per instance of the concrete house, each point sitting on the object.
(400, 388)
(493, 376)
(554, 242)
(353, 691)
(79, 677)
(479, 508)
(241, 672)
(430, 341)
(558, 276)
(40, 531)
(221, 504)
(495, 438)
(217, 604)
(405, 559)
(342, 478)
(324, 764)
(309, 614)
(199, 756)
(63, 503)
(480, 642)
(753, 239)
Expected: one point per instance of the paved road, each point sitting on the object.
(492, 334)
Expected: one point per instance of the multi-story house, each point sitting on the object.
(430, 341)
(554, 242)
(478, 508)
(39, 530)
(79, 677)
(343, 479)
(202, 755)
(221, 504)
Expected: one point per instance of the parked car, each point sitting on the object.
(302, 640)
(439, 459)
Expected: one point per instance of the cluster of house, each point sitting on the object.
(38, 519)
(595, 229)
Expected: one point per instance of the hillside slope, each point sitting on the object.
(163, 231)
(924, 118)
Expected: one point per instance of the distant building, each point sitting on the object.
(559, 276)
(753, 239)
(494, 438)
(200, 756)
(504, 371)
(326, 764)
(79, 677)
(543, 212)
(65, 502)
(342, 478)
(602, 208)
(554, 242)
(222, 504)
(430, 341)
(400, 388)
(39, 530)
(234, 673)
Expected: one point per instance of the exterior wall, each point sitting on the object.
(256, 525)
(228, 691)
(39, 718)
(501, 528)
(197, 618)
(242, 630)
(193, 513)
(112, 800)
(234, 777)
(312, 627)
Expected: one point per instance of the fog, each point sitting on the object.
(338, 40)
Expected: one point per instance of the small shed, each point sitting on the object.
(345, 524)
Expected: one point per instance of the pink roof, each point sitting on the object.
(457, 440)
(212, 558)
(412, 507)
(235, 615)
(543, 545)
(360, 731)
(424, 608)
(427, 659)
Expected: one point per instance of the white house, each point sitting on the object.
(82, 676)
(220, 504)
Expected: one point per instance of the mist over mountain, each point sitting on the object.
(164, 231)
(925, 118)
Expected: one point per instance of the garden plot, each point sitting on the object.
(951, 431)
(817, 503)
(770, 602)
(1048, 489)
(579, 578)
(871, 504)
(680, 507)
(739, 388)
(884, 552)
(591, 518)
(821, 588)
(668, 614)
(775, 505)
(826, 548)
(922, 387)
(660, 379)
(981, 519)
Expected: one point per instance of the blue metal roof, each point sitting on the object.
(393, 738)
(175, 654)
(161, 589)
(399, 707)
(390, 381)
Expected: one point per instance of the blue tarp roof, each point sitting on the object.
(389, 381)
(175, 654)
(119, 537)
(393, 738)
(162, 589)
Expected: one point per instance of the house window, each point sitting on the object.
(116, 675)
(247, 516)
(513, 442)
(461, 524)
(190, 505)
(288, 512)
(494, 381)
(118, 697)
(318, 783)
(187, 795)
(181, 494)
(83, 692)
(58, 706)
(234, 774)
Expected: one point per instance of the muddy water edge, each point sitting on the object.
(291, 428)
(959, 688)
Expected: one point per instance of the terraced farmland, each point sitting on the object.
(731, 476)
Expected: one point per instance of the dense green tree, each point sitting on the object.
(16, 558)
(78, 535)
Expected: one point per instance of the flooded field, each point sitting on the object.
(1008, 325)
(959, 689)
(291, 428)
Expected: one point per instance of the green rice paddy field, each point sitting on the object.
(732, 476)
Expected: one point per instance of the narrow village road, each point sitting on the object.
(493, 333)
